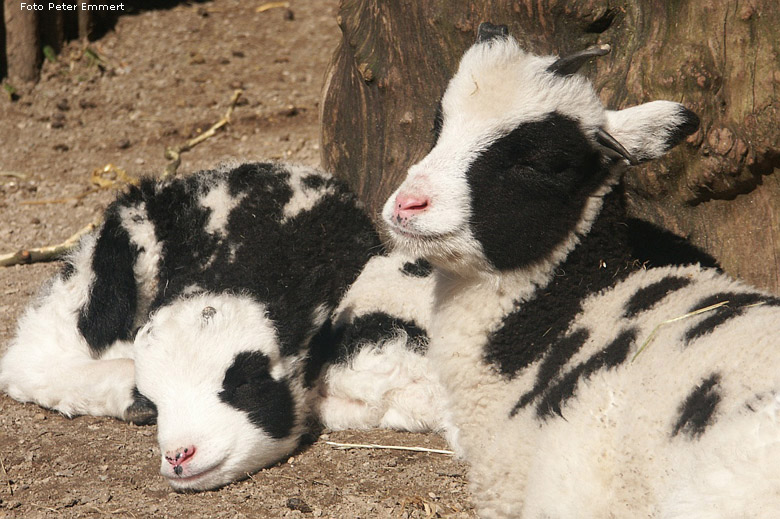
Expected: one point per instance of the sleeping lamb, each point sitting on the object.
(206, 303)
(595, 365)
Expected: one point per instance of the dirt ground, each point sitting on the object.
(157, 79)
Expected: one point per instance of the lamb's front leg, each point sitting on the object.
(73, 347)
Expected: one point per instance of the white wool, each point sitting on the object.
(220, 203)
(181, 360)
(303, 197)
(59, 372)
(384, 385)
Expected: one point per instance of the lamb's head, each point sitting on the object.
(524, 152)
(228, 402)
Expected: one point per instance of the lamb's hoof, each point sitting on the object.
(142, 411)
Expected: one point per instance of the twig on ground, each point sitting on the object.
(111, 512)
(48, 253)
(7, 477)
(99, 177)
(14, 174)
(174, 154)
(50, 509)
(346, 446)
(271, 5)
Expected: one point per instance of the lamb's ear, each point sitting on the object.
(487, 31)
(649, 130)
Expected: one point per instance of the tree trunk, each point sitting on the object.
(22, 50)
(721, 59)
(25, 33)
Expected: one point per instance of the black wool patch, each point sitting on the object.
(555, 359)
(612, 356)
(314, 181)
(142, 411)
(67, 271)
(438, 122)
(529, 188)
(249, 387)
(419, 269)
(322, 350)
(374, 328)
(690, 123)
(538, 325)
(615, 247)
(301, 265)
(179, 225)
(108, 315)
(697, 411)
(646, 297)
(738, 304)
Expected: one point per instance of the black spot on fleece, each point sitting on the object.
(606, 255)
(298, 266)
(108, 315)
(249, 387)
(373, 328)
(294, 267)
(697, 411)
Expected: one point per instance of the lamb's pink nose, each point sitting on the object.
(179, 456)
(407, 205)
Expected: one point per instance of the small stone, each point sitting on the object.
(57, 120)
(123, 144)
(290, 111)
(296, 503)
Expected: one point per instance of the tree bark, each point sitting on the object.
(22, 50)
(26, 32)
(721, 59)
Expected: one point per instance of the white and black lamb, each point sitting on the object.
(546, 292)
(206, 303)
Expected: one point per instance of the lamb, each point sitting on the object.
(596, 366)
(207, 303)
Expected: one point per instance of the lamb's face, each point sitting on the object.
(228, 403)
(523, 151)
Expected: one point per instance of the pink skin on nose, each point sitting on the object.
(178, 457)
(407, 205)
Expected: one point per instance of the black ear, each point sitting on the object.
(487, 31)
(568, 65)
(613, 147)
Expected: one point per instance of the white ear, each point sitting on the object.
(649, 130)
